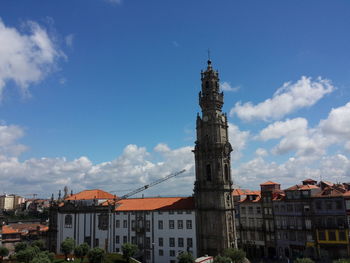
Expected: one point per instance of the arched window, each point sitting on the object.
(68, 219)
(226, 172)
(208, 172)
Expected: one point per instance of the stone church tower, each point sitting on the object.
(213, 186)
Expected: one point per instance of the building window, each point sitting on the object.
(250, 210)
(125, 239)
(161, 252)
(258, 210)
(242, 210)
(340, 222)
(188, 211)
(189, 242)
(87, 240)
(339, 204)
(342, 236)
(160, 212)
(117, 223)
(172, 253)
(97, 242)
(321, 235)
(171, 242)
(133, 240)
(160, 224)
(103, 221)
(68, 219)
(180, 224)
(148, 242)
(133, 225)
(306, 208)
(160, 241)
(180, 242)
(208, 172)
(125, 223)
(329, 205)
(319, 205)
(330, 222)
(180, 212)
(148, 225)
(171, 224)
(117, 241)
(171, 212)
(189, 224)
(226, 171)
(331, 236)
(289, 208)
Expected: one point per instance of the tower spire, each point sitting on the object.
(213, 186)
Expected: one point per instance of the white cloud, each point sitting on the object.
(287, 99)
(296, 137)
(9, 134)
(251, 174)
(69, 40)
(238, 140)
(226, 86)
(25, 58)
(261, 152)
(276, 130)
(338, 122)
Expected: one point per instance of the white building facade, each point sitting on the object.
(161, 227)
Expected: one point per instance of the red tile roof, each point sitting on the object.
(238, 191)
(329, 192)
(23, 228)
(269, 183)
(156, 203)
(302, 187)
(91, 194)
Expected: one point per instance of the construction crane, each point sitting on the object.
(138, 190)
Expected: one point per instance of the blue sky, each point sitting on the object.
(104, 93)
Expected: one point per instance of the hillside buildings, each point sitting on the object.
(10, 202)
(308, 219)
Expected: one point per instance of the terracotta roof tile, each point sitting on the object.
(23, 228)
(156, 203)
(302, 187)
(239, 191)
(91, 194)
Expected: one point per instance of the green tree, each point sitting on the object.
(67, 246)
(4, 252)
(20, 246)
(236, 255)
(39, 243)
(342, 260)
(81, 251)
(221, 259)
(27, 254)
(128, 250)
(304, 260)
(185, 257)
(42, 257)
(96, 255)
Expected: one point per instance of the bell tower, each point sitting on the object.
(213, 185)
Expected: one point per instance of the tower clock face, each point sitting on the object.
(205, 118)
